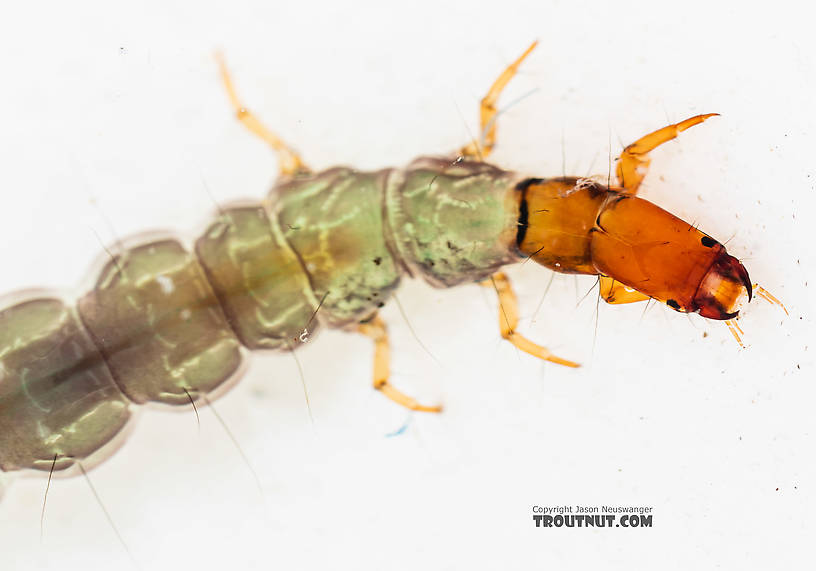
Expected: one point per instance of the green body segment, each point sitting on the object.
(454, 222)
(258, 278)
(57, 396)
(334, 221)
(166, 325)
(159, 325)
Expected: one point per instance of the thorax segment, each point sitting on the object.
(453, 221)
(557, 219)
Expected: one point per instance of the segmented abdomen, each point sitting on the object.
(165, 324)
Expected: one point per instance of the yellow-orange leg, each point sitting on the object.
(634, 160)
(612, 291)
(509, 317)
(376, 330)
(290, 162)
(481, 148)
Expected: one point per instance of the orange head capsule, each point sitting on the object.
(648, 249)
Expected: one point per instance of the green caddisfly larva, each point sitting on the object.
(171, 325)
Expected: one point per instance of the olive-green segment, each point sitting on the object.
(258, 279)
(334, 221)
(57, 396)
(159, 325)
(454, 221)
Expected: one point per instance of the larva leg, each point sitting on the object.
(376, 330)
(634, 160)
(290, 161)
(481, 148)
(613, 291)
(508, 321)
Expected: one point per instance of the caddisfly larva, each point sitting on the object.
(170, 325)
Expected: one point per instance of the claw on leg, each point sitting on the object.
(290, 161)
(375, 330)
(481, 148)
(508, 321)
(634, 160)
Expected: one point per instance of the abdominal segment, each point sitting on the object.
(167, 324)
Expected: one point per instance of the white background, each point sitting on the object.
(113, 121)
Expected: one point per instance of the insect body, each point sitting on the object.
(170, 325)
